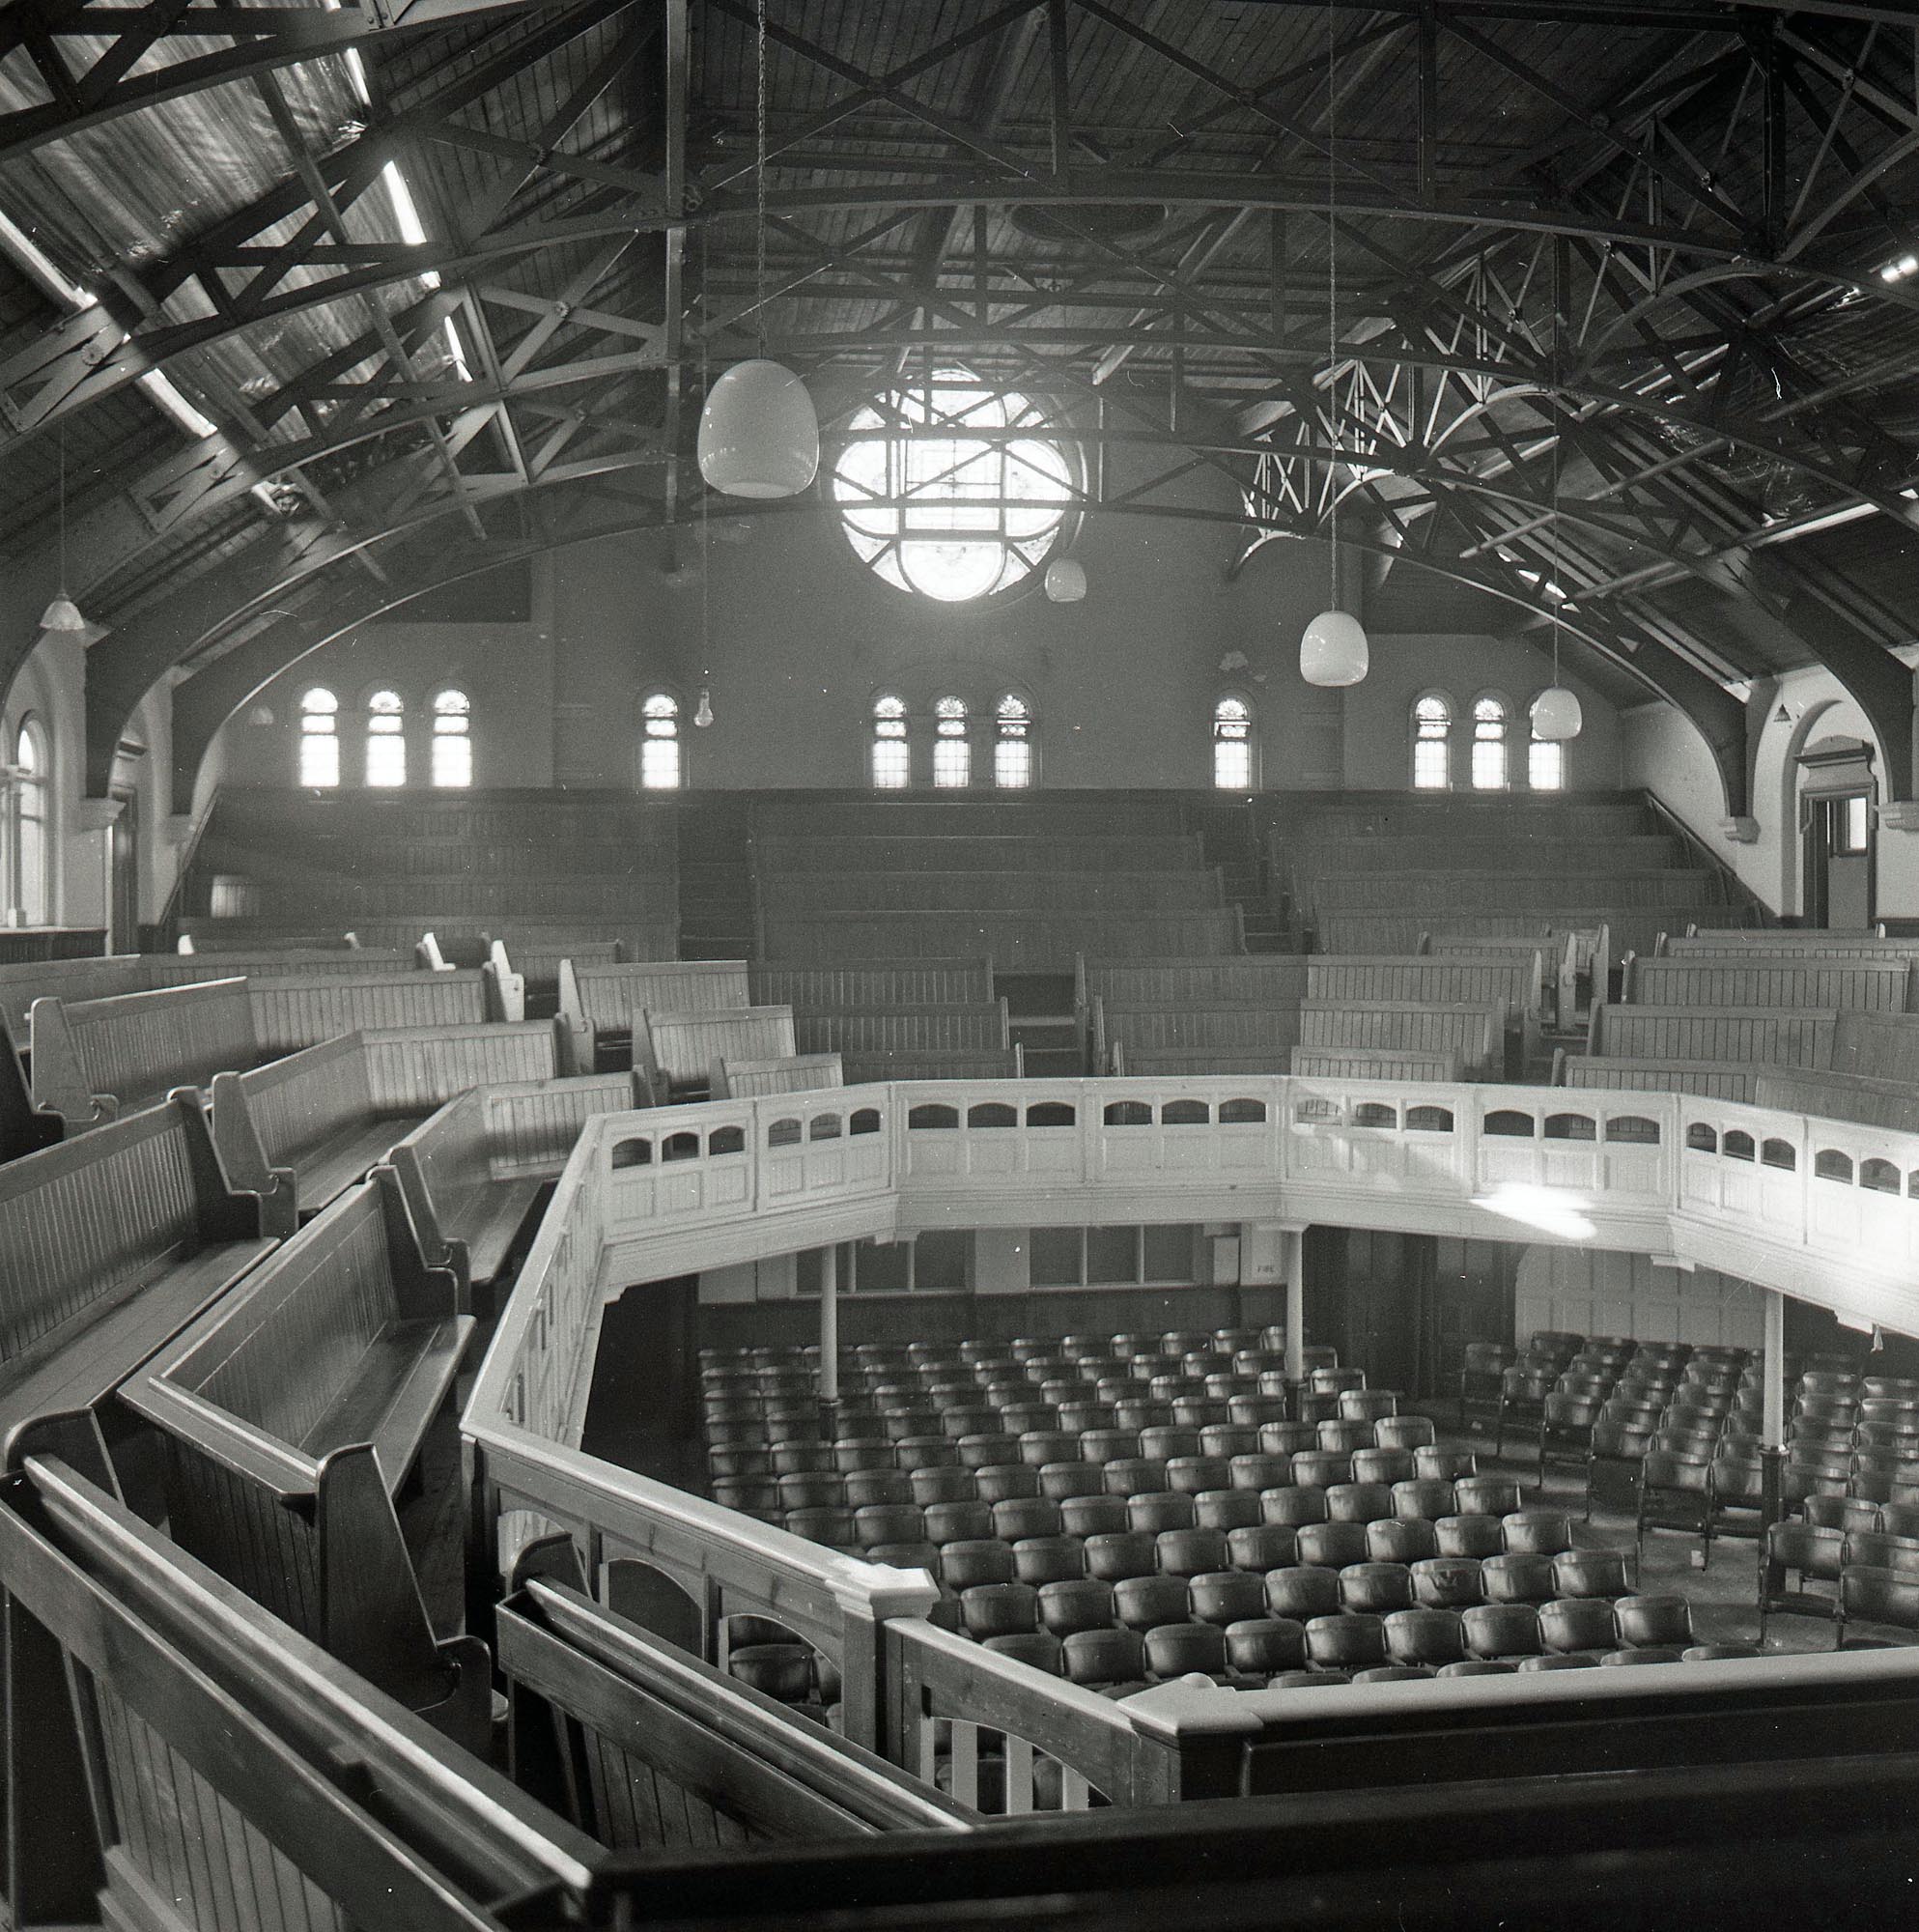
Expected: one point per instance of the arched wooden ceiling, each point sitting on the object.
(1603, 294)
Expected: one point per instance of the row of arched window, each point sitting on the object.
(26, 785)
(1008, 732)
(1487, 745)
(383, 748)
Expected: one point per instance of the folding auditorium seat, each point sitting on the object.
(907, 1556)
(1346, 1642)
(1017, 1516)
(1425, 1499)
(1487, 1495)
(779, 1670)
(1144, 1603)
(1314, 1408)
(929, 1452)
(739, 1465)
(1049, 1559)
(1657, 1653)
(1678, 1495)
(750, 1498)
(808, 1455)
(1041, 1446)
(1434, 1465)
(958, 1521)
(852, 1454)
(1225, 1509)
(1307, 1680)
(1081, 1604)
(1006, 1483)
(1302, 1593)
(1358, 1502)
(828, 1525)
(1159, 1508)
(1139, 1411)
(1501, 1632)
(1181, 1650)
(1115, 1557)
(1448, 1583)
(942, 1486)
(1480, 1371)
(1848, 1514)
(1092, 1516)
(1331, 1545)
(1076, 1418)
(1877, 1550)
(1384, 1465)
(1228, 1439)
(1259, 1471)
(1391, 1540)
(1580, 1626)
(1425, 1639)
(1163, 1441)
(889, 1523)
(1135, 1476)
(1294, 1505)
(966, 1566)
(1202, 1412)
(1101, 1446)
(987, 1449)
(1522, 1402)
(1191, 1474)
(1556, 1660)
(816, 1488)
(1263, 1547)
(1189, 1553)
(1256, 1411)
(1738, 1492)
(1288, 1439)
(1375, 1589)
(1021, 1420)
(1261, 1646)
(1612, 1470)
(1815, 1553)
(877, 1489)
(1474, 1666)
(1720, 1653)
(1112, 1662)
(1225, 1597)
(1519, 1578)
(1341, 1438)
(1057, 1481)
(1536, 1532)
(971, 1419)
(1321, 1469)
(1470, 1536)
(1566, 1430)
(1591, 1573)
(1871, 1594)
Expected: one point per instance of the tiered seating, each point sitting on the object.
(794, 1073)
(674, 1053)
(1473, 1035)
(23, 1127)
(1150, 1016)
(1383, 878)
(1123, 1513)
(597, 1000)
(535, 870)
(1032, 883)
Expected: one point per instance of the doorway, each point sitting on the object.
(1837, 792)
(124, 872)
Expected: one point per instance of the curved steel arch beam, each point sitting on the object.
(205, 700)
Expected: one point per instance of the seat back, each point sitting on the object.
(97, 1057)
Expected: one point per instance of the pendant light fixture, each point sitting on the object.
(759, 434)
(63, 615)
(1333, 653)
(703, 715)
(1555, 713)
(1065, 579)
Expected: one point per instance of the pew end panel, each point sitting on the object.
(24, 1129)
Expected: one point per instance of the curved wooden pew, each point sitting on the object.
(109, 1245)
(23, 1127)
(598, 1002)
(796, 1074)
(291, 1412)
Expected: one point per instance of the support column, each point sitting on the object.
(1772, 1450)
(1292, 1262)
(829, 1322)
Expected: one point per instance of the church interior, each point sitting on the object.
(959, 962)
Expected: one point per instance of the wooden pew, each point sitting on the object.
(23, 1127)
(903, 1029)
(1878, 985)
(597, 1003)
(1225, 1031)
(413, 1069)
(1834, 943)
(992, 892)
(98, 1059)
(1743, 1035)
(180, 1758)
(1515, 977)
(1708, 1079)
(110, 1244)
(1258, 979)
(1373, 1063)
(1477, 1034)
(919, 982)
(960, 1064)
(23, 982)
(300, 1131)
(1885, 1046)
(1040, 941)
(978, 852)
(678, 1049)
(1145, 1062)
(292, 1411)
(1858, 1098)
(292, 1012)
(753, 1079)
(1506, 893)
(680, 1756)
(468, 1213)
(189, 969)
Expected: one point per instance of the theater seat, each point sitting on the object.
(1190, 1552)
(1101, 1660)
(1448, 1583)
(1424, 1638)
(1061, 1481)
(1083, 1605)
(781, 1670)
(1652, 1622)
(1261, 1546)
(1520, 1580)
(1477, 1536)
(1159, 1510)
(1176, 1650)
(1144, 1603)
(1721, 1653)
(1591, 1573)
(1092, 1516)
(1577, 1624)
(1115, 1557)
(1049, 1559)
(1581, 1661)
(1346, 1642)
(1423, 1500)
(1006, 1483)
(1331, 1545)
(1293, 1506)
(1025, 1515)
(1225, 1510)
(958, 1522)
(1307, 1680)
(973, 1565)
(1396, 1542)
(1474, 1666)
(1358, 1502)
(1393, 1673)
(1510, 1631)
(1260, 1646)
(1302, 1593)
(1377, 1589)
(1659, 1653)
(1226, 1597)
(1031, 1647)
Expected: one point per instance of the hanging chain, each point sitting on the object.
(1332, 310)
(1555, 589)
(759, 184)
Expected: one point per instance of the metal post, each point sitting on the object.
(1774, 1422)
(829, 1324)
(1292, 1259)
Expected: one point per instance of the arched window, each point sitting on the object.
(952, 749)
(1490, 744)
(319, 739)
(1545, 761)
(892, 756)
(1432, 743)
(1012, 743)
(452, 739)
(660, 742)
(386, 739)
(936, 497)
(25, 824)
(1233, 744)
